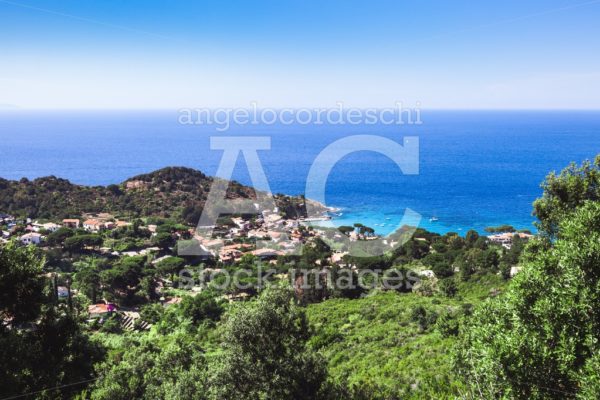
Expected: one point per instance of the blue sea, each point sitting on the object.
(477, 168)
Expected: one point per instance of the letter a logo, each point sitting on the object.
(218, 204)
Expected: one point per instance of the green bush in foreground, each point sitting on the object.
(540, 340)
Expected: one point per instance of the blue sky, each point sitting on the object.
(167, 54)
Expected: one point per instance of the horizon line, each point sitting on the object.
(171, 109)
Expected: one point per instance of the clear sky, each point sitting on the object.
(169, 54)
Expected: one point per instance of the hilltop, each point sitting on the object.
(176, 192)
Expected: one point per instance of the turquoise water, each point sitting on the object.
(477, 168)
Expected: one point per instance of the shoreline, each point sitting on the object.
(382, 222)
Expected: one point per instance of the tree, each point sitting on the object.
(164, 240)
(59, 236)
(122, 280)
(171, 265)
(540, 339)
(266, 355)
(500, 228)
(564, 192)
(471, 237)
(173, 368)
(87, 278)
(476, 259)
(41, 343)
(315, 250)
(21, 284)
(345, 229)
(439, 263)
(78, 242)
(201, 307)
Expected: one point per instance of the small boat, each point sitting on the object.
(388, 218)
(433, 219)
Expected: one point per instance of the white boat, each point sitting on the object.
(433, 219)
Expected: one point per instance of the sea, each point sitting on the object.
(476, 168)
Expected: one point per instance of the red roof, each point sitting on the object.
(101, 308)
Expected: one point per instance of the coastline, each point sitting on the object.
(498, 182)
(383, 221)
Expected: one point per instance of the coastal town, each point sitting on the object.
(154, 241)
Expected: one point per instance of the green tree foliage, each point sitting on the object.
(78, 242)
(21, 284)
(511, 256)
(87, 278)
(471, 237)
(540, 340)
(345, 229)
(171, 369)
(565, 192)
(170, 266)
(201, 307)
(439, 263)
(500, 228)
(265, 353)
(121, 282)
(168, 192)
(164, 240)
(41, 344)
(59, 236)
(476, 260)
(315, 250)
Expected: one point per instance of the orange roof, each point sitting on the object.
(101, 308)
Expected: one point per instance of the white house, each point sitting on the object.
(506, 238)
(31, 238)
(49, 226)
(92, 225)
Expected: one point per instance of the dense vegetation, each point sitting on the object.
(57, 351)
(392, 345)
(541, 339)
(176, 192)
(466, 331)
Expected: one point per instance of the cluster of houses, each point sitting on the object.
(95, 222)
(32, 233)
(506, 238)
(283, 237)
(233, 240)
(35, 231)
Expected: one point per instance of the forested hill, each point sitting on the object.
(177, 192)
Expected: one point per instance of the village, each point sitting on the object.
(267, 238)
(233, 239)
